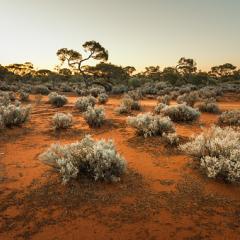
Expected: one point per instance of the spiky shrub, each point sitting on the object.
(94, 116)
(209, 106)
(181, 113)
(159, 108)
(231, 117)
(12, 115)
(83, 103)
(102, 98)
(98, 160)
(149, 125)
(57, 100)
(23, 96)
(62, 121)
(188, 98)
(218, 151)
(164, 99)
(171, 138)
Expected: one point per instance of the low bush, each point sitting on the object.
(231, 117)
(102, 98)
(23, 96)
(149, 125)
(208, 106)
(128, 104)
(83, 103)
(12, 115)
(95, 91)
(218, 151)
(188, 98)
(41, 89)
(57, 100)
(98, 160)
(94, 116)
(159, 108)
(164, 99)
(181, 113)
(62, 121)
(171, 138)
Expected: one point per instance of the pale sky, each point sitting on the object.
(135, 32)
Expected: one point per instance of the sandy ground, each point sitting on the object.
(164, 195)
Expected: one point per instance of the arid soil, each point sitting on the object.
(164, 194)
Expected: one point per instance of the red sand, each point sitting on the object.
(163, 196)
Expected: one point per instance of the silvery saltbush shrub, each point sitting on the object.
(12, 115)
(4, 99)
(95, 91)
(41, 89)
(57, 100)
(181, 113)
(188, 98)
(151, 125)
(83, 103)
(165, 99)
(171, 138)
(209, 106)
(102, 98)
(159, 108)
(134, 94)
(62, 121)
(128, 104)
(218, 151)
(94, 116)
(98, 160)
(24, 96)
(119, 89)
(230, 117)
(66, 88)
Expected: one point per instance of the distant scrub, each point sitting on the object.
(231, 117)
(181, 113)
(94, 116)
(127, 105)
(57, 100)
(188, 98)
(62, 121)
(209, 106)
(149, 125)
(102, 98)
(12, 115)
(218, 151)
(164, 99)
(24, 96)
(159, 108)
(98, 160)
(41, 89)
(83, 103)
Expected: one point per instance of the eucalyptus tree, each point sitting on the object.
(75, 59)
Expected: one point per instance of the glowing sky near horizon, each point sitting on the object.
(135, 32)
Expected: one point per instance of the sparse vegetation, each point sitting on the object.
(98, 160)
(94, 116)
(230, 117)
(83, 103)
(218, 151)
(181, 113)
(149, 125)
(62, 121)
(57, 100)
